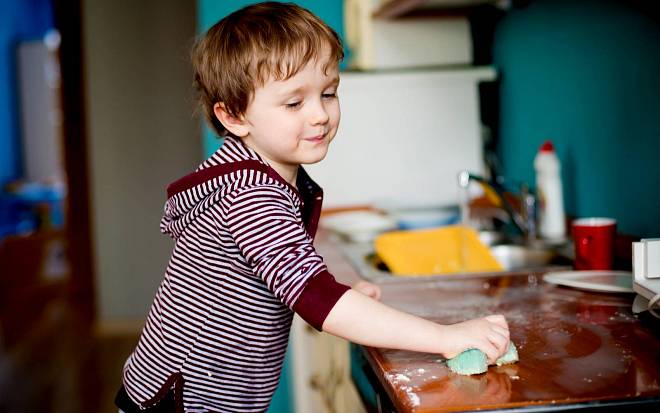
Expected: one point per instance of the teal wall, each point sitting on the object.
(585, 74)
(208, 13)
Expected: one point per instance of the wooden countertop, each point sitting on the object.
(575, 347)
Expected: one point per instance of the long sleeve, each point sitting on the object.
(263, 222)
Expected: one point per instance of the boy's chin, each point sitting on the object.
(315, 157)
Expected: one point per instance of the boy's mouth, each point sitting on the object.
(317, 138)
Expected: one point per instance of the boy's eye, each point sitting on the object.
(293, 105)
(329, 95)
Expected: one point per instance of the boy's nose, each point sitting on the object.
(319, 115)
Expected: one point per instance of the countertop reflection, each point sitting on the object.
(575, 347)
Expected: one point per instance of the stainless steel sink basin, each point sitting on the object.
(514, 259)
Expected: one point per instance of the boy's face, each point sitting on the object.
(292, 122)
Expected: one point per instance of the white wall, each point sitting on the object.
(142, 135)
(403, 137)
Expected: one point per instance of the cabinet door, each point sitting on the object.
(321, 372)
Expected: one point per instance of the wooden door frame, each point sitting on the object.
(68, 21)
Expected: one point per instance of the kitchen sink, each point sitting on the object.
(518, 257)
(514, 258)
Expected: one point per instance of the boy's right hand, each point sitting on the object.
(489, 334)
(368, 289)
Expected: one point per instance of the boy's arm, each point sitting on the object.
(261, 221)
(363, 320)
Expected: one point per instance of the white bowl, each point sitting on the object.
(359, 226)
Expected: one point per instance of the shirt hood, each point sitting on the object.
(191, 195)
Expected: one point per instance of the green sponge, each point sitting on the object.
(473, 361)
(511, 356)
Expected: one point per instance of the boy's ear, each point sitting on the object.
(238, 127)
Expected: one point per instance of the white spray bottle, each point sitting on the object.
(552, 223)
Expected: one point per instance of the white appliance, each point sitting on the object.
(404, 136)
(646, 269)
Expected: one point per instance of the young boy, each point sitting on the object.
(243, 226)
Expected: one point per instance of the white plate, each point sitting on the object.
(360, 226)
(602, 281)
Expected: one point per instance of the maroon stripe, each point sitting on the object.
(317, 299)
(204, 175)
(191, 180)
(175, 379)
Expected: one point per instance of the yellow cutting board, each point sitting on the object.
(444, 250)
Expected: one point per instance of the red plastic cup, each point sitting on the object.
(594, 243)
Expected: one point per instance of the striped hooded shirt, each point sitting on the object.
(243, 262)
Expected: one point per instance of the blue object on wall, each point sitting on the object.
(210, 12)
(585, 74)
(19, 20)
(31, 206)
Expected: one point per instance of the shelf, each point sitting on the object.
(431, 8)
(453, 72)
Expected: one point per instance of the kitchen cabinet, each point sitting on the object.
(411, 112)
(377, 44)
(321, 372)
(391, 9)
(320, 362)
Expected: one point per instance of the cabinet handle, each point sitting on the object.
(328, 386)
(315, 382)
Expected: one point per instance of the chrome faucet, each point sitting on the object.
(525, 219)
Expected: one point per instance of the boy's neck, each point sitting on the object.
(288, 172)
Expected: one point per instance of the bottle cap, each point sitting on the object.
(547, 147)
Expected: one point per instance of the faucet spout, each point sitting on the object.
(525, 220)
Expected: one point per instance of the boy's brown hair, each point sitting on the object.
(252, 45)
